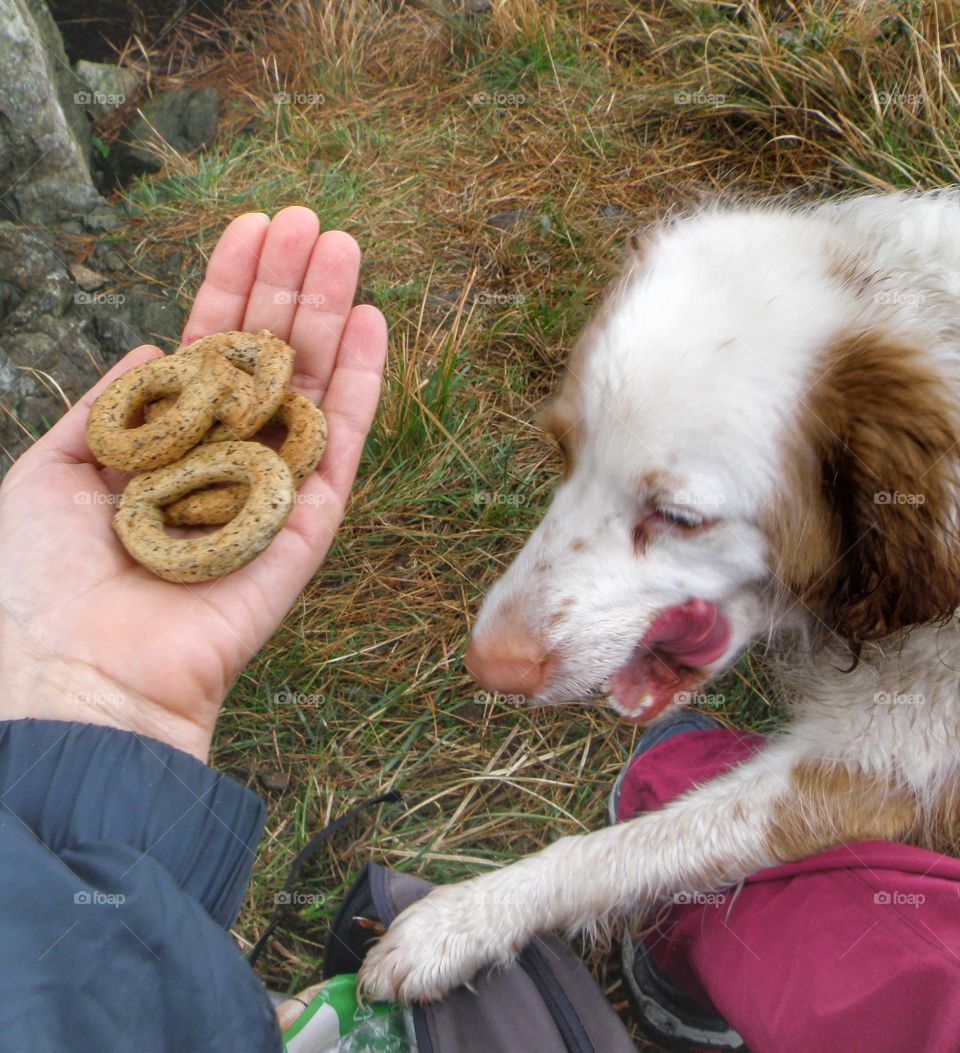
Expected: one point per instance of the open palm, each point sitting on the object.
(88, 634)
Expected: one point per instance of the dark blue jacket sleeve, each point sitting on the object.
(122, 865)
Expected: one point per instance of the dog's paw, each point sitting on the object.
(435, 945)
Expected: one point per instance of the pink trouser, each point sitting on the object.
(853, 950)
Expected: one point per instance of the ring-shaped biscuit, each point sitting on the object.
(241, 395)
(267, 359)
(194, 386)
(301, 451)
(139, 519)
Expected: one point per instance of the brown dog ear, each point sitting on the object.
(879, 496)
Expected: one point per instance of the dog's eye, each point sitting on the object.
(681, 517)
(661, 521)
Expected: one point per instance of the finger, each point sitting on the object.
(222, 298)
(65, 440)
(351, 399)
(322, 309)
(349, 408)
(283, 262)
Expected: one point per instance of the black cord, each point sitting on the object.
(390, 797)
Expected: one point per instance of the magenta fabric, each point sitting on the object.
(854, 949)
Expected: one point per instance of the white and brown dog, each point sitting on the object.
(761, 429)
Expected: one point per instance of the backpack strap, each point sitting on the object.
(391, 796)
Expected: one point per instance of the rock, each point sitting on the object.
(477, 7)
(106, 86)
(86, 278)
(59, 348)
(150, 314)
(44, 132)
(101, 219)
(507, 219)
(44, 334)
(62, 326)
(34, 277)
(184, 120)
(67, 324)
(108, 258)
(275, 780)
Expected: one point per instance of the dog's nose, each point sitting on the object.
(511, 660)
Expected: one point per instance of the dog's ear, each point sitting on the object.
(869, 539)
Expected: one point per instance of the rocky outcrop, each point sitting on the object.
(61, 327)
(44, 131)
(106, 87)
(62, 322)
(182, 120)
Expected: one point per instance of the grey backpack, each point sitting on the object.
(546, 1002)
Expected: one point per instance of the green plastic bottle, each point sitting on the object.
(334, 1013)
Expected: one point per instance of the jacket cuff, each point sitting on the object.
(73, 784)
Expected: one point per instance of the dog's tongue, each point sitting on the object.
(669, 659)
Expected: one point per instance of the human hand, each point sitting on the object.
(87, 634)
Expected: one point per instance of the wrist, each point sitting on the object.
(51, 687)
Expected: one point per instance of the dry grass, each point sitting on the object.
(611, 114)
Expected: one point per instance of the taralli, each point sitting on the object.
(139, 519)
(243, 392)
(301, 451)
(199, 407)
(200, 385)
(267, 359)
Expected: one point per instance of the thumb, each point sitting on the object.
(65, 441)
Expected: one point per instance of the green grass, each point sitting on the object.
(402, 155)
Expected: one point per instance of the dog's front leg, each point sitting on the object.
(713, 836)
(776, 807)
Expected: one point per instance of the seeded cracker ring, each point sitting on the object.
(139, 519)
(301, 451)
(267, 359)
(200, 385)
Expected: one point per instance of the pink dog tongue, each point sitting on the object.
(666, 660)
